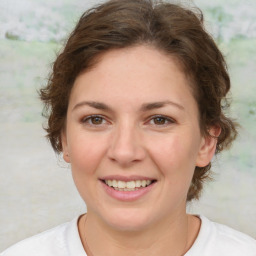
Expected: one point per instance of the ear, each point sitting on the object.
(64, 145)
(208, 146)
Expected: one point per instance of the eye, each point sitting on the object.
(161, 120)
(94, 120)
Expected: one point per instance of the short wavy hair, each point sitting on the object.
(175, 30)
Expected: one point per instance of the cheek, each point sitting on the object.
(86, 153)
(174, 156)
(175, 167)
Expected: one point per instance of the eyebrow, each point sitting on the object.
(145, 107)
(155, 105)
(93, 104)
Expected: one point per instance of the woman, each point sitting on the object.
(135, 105)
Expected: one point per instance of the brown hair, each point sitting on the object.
(173, 29)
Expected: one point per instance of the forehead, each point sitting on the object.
(142, 73)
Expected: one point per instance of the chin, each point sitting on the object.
(127, 220)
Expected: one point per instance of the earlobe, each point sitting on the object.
(66, 157)
(64, 145)
(208, 147)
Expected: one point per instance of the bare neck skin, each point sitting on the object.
(172, 237)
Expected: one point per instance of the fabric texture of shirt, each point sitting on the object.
(213, 240)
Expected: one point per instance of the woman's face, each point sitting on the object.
(133, 123)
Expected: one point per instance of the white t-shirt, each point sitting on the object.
(213, 240)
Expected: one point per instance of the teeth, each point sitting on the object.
(126, 189)
(109, 182)
(137, 183)
(121, 184)
(114, 183)
(128, 186)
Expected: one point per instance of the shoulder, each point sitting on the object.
(41, 244)
(218, 239)
(227, 238)
(53, 242)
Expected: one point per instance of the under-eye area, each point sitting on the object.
(128, 185)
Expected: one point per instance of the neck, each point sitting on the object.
(173, 236)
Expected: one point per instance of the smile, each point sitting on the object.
(129, 185)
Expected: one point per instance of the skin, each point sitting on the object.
(128, 140)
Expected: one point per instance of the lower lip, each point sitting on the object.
(127, 195)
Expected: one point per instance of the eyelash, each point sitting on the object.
(89, 118)
(167, 120)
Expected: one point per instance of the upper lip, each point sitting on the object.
(126, 178)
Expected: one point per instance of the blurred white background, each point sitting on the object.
(36, 187)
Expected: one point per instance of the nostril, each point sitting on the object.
(125, 146)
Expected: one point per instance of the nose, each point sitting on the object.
(126, 146)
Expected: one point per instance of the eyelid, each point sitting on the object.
(167, 118)
(86, 118)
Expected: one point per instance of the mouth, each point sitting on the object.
(132, 185)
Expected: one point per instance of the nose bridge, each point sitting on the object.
(126, 145)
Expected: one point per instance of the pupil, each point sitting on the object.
(96, 120)
(159, 120)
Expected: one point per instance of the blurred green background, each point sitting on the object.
(36, 188)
